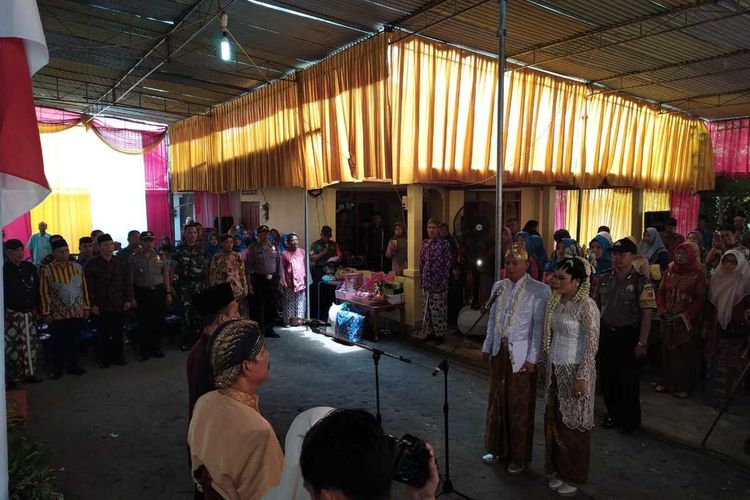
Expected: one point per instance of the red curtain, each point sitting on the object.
(19, 229)
(731, 142)
(158, 212)
(684, 207)
(205, 207)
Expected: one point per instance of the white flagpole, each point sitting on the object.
(3, 410)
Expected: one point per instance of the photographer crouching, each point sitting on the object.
(347, 456)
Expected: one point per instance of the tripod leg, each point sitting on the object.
(727, 403)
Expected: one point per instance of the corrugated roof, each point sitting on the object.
(688, 54)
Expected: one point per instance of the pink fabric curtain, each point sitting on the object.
(205, 207)
(731, 143)
(561, 208)
(684, 207)
(158, 213)
(121, 135)
(19, 229)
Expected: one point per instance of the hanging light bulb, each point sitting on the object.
(226, 49)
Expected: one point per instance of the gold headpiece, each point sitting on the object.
(517, 252)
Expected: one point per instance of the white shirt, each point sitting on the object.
(523, 305)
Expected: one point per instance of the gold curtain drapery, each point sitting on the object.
(422, 112)
(68, 212)
(444, 103)
(655, 201)
(344, 114)
(610, 207)
(332, 123)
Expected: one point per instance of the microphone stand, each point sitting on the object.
(444, 366)
(376, 355)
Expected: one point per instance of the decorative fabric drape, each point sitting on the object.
(731, 144)
(158, 213)
(121, 135)
(444, 103)
(684, 207)
(98, 188)
(67, 213)
(655, 201)
(609, 207)
(561, 208)
(205, 205)
(345, 116)
(19, 229)
(333, 124)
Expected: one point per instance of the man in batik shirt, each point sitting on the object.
(434, 270)
(227, 267)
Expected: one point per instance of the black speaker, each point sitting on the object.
(655, 219)
(226, 223)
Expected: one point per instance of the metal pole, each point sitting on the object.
(501, 4)
(307, 250)
(3, 410)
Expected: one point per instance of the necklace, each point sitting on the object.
(504, 295)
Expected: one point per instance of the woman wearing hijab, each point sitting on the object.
(654, 250)
(531, 227)
(566, 247)
(523, 238)
(601, 250)
(680, 299)
(212, 246)
(729, 292)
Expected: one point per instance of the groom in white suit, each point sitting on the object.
(512, 348)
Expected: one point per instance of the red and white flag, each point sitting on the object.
(23, 52)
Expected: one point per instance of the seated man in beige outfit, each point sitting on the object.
(234, 451)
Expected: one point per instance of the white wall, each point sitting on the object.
(286, 212)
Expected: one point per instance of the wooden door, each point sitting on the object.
(250, 214)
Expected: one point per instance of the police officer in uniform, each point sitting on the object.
(152, 290)
(189, 264)
(626, 302)
(262, 267)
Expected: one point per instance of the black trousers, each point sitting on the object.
(263, 302)
(109, 326)
(150, 310)
(620, 374)
(65, 343)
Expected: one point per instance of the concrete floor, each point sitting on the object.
(120, 433)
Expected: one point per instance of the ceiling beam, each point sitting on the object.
(609, 27)
(424, 9)
(724, 71)
(678, 64)
(640, 36)
(365, 30)
(441, 21)
(740, 92)
(162, 42)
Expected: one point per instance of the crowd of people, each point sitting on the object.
(601, 313)
(54, 294)
(567, 320)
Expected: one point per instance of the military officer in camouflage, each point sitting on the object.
(189, 265)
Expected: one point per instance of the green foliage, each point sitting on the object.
(28, 477)
(729, 196)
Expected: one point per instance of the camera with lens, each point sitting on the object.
(411, 463)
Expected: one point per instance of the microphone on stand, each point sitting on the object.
(486, 307)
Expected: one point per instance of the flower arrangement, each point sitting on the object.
(372, 289)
